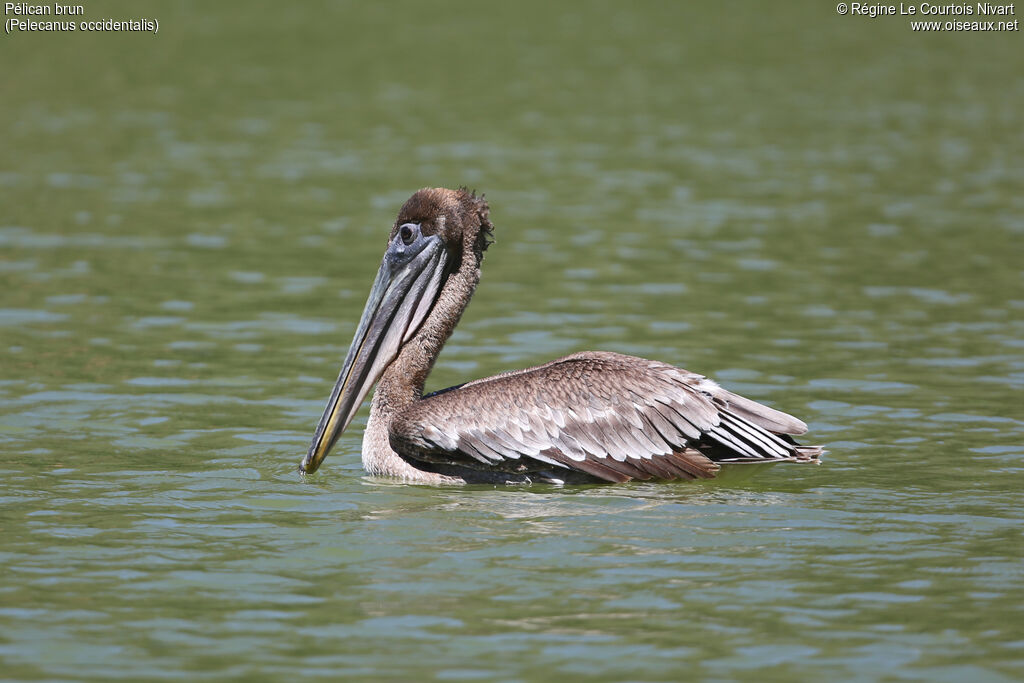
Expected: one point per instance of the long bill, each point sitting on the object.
(407, 285)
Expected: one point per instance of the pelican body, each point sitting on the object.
(587, 417)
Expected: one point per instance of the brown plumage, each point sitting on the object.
(591, 416)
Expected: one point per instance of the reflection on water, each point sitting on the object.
(833, 228)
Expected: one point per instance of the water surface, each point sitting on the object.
(823, 213)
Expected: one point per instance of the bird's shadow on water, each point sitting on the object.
(747, 485)
(345, 486)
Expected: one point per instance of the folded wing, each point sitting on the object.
(610, 416)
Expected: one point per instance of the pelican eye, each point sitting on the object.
(408, 234)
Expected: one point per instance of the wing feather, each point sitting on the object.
(609, 416)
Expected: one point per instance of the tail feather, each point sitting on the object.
(809, 453)
(761, 415)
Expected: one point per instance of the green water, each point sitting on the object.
(825, 213)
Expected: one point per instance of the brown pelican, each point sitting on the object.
(588, 417)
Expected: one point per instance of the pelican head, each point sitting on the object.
(437, 233)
